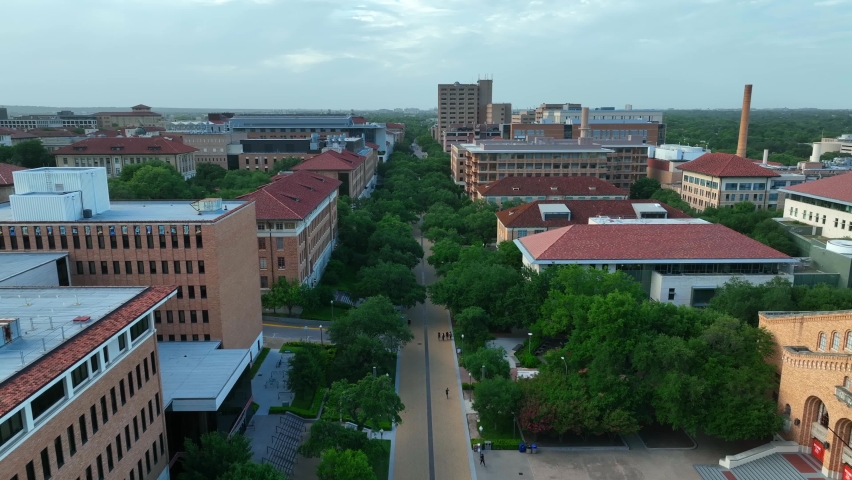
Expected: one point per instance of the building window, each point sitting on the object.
(261, 244)
(48, 399)
(264, 282)
(263, 264)
(45, 463)
(201, 266)
(188, 266)
(191, 291)
(279, 243)
(280, 263)
(72, 442)
(203, 289)
(671, 294)
(821, 345)
(835, 341)
(205, 316)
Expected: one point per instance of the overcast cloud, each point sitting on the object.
(391, 53)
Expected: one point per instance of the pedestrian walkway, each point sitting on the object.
(773, 467)
(269, 386)
(431, 442)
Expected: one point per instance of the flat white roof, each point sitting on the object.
(13, 264)
(645, 221)
(153, 211)
(46, 318)
(197, 376)
(648, 208)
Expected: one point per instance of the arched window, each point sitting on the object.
(848, 340)
(846, 383)
(821, 344)
(822, 417)
(835, 341)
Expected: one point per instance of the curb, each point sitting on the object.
(461, 400)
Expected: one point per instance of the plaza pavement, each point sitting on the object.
(431, 442)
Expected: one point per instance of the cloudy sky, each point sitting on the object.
(392, 53)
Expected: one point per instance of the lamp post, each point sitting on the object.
(332, 310)
(513, 424)
(566, 365)
(483, 373)
(462, 344)
(529, 343)
(321, 335)
(382, 433)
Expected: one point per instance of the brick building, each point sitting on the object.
(528, 189)
(138, 116)
(91, 405)
(724, 179)
(356, 172)
(7, 181)
(200, 247)
(210, 148)
(114, 153)
(813, 356)
(296, 226)
(544, 215)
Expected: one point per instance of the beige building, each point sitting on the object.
(462, 103)
(210, 147)
(138, 116)
(825, 203)
(498, 113)
(524, 116)
(724, 179)
(114, 153)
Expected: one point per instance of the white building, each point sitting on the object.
(676, 261)
(825, 203)
(674, 152)
(841, 144)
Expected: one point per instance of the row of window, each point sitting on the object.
(835, 341)
(708, 183)
(279, 261)
(182, 315)
(83, 426)
(140, 267)
(822, 203)
(261, 243)
(745, 186)
(184, 338)
(811, 217)
(23, 233)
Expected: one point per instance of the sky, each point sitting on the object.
(372, 54)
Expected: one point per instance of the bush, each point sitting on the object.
(528, 360)
(308, 413)
(502, 444)
(467, 386)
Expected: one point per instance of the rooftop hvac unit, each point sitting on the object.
(207, 205)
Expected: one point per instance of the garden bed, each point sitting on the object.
(303, 406)
(662, 436)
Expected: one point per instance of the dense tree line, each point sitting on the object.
(28, 154)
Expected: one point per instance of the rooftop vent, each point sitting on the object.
(82, 319)
(554, 188)
(515, 189)
(9, 330)
(593, 188)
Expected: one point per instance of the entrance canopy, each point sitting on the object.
(197, 376)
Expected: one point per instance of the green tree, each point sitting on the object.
(445, 252)
(493, 359)
(392, 242)
(672, 199)
(473, 323)
(393, 280)
(327, 435)
(345, 465)
(214, 456)
(356, 358)
(375, 318)
(644, 188)
(832, 155)
(496, 398)
(369, 402)
(252, 471)
(30, 154)
(157, 182)
(284, 165)
(307, 370)
(282, 293)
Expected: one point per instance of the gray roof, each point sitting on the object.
(13, 263)
(197, 376)
(145, 211)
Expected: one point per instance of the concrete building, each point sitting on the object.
(528, 131)
(460, 103)
(296, 226)
(258, 126)
(619, 162)
(199, 246)
(78, 373)
(7, 180)
(663, 161)
(825, 203)
(498, 113)
(524, 116)
(63, 119)
(114, 153)
(356, 171)
(723, 179)
(841, 144)
(138, 116)
(529, 189)
(545, 215)
(459, 134)
(680, 261)
(813, 357)
(571, 113)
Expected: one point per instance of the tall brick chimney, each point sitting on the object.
(743, 140)
(584, 123)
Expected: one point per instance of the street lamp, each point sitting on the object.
(529, 343)
(332, 310)
(566, 365)
(321, 335)
(480, 431)
(483, 372)
(462, 344)
(382, 433)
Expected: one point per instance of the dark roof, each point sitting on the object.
(138, 113)
(372, 145)
(53, 364)
(528, 214)
(332, 160)
(837, 187)
(726, 165)
(126, 146)
(6, 173)
(709, 241)
(291, 196)
(541, 186)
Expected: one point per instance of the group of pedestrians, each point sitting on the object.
(445, 335)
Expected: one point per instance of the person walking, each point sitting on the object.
(439, 335)
(482, 458)
(448, 393)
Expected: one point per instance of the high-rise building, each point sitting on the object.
(462, 103)
(498, 113)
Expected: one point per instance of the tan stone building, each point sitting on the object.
(813, 356)
(357, 173)
(92, 404)
(530, 189)
(200, 247)
(498, 113)
(114, 153)
(209, 147)
(524, 116)
(460, 103)
(296, 226)
(138, 116)
(724, 179)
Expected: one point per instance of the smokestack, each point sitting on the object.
(765, 156)
(743, 140)
(584, 123)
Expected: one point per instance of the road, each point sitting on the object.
(294, 330)
(431, 442)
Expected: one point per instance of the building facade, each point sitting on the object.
(529, 189)
(114, 153)
(356, 172)
(722, 179)
(92, 405)
(138, 116)
(813, 356)
(212, 148)
(7, 180)
(460, 103)
(825, 203)
(200, 247)
(63, 119)
(498, 113)
(296, 227)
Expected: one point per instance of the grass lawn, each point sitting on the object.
(502, 432)
(325, 312)
(260, 359)
(347, 281)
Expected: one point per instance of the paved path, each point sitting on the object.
(431, 442)
(269, 386)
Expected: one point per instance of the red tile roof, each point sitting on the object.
(6, 170)
(646, 242)
(395, 126)
(528, 214)
(372, 145)
(41, 133)
(20, 134)
(291, 197)
(542, 186)
(129, 146)
(359, 120)
(837, 187)
(332, 160)
(726, 165)
(6, 131)
(35, 376)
